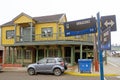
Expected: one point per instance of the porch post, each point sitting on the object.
(81, 51)
(4, 55)
(22, 55)
(59, 51)
(13, 55)
(31, 24)
(8, 56)
(15, 32)
(72, 56)
(37, 48)
(47, 51)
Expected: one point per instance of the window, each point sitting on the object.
(27, 54)
(43, 61)
(53, 53)
(47, 32)
(51, 61)
(19, 54)
(10, 34)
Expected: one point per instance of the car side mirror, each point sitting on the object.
(38, 62)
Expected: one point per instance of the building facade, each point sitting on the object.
(27, 39)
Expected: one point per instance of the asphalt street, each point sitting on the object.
(24, 76)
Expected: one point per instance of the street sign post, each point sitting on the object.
(80, 27)
(108, 21)
(99, 48)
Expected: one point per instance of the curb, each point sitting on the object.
(88, 74)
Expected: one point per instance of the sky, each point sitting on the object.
(74, 10)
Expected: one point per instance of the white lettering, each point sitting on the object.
(106, 33)
(83, 22)
(105, 39)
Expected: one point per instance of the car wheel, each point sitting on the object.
(31, 71)
(57, 72)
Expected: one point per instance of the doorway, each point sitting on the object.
(77, 56)
(1, 56)
(67, 54)
(40, 54)
(84, 55)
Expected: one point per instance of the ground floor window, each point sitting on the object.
(26, 54)
(53, 53)
(19, 54)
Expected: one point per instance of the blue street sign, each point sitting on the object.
(80, 27)
(106, 39)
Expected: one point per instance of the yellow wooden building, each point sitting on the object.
(27, 39)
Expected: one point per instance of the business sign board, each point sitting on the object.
(106, 39)
(108, 21)
(80, 27)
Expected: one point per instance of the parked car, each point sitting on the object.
(57, 66)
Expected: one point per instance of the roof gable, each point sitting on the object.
(24, 18)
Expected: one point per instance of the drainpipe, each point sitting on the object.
(15, 32)
(57, 31)
(31, 31)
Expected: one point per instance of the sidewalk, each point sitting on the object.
(109, 70)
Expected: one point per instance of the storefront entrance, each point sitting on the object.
(1, 56)
(77, 56)
(67, 54)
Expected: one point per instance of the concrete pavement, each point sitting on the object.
(109, 70)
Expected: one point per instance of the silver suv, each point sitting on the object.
(57, 66)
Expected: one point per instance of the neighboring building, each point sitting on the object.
(1, 50)
(27, 39)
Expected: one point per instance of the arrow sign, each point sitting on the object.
(108, 21)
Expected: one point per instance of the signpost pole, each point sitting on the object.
(99, 48)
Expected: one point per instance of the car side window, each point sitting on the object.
(42, 61)
(51, 61)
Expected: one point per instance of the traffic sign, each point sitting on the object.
(106, 39)
(108, 21)
(80, 27)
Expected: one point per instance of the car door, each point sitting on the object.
(41, 65)
(50, 64)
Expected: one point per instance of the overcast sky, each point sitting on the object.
(74, 10)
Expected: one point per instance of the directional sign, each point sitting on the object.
(80, 27)
(108, 21)
(106, 39)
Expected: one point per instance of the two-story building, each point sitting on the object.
(27, 39)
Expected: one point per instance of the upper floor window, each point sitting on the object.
(10, 34)
(47, 32)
